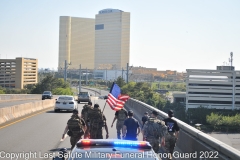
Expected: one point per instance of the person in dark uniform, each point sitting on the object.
(120, 116)
(145, 118)
(131, 128)
(173, 131)
(76, 134)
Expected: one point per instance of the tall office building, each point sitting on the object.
(112, 38)
(76, 42)
(16, 73)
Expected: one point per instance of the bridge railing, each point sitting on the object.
(191, 140)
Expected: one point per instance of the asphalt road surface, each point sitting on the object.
(38, 137)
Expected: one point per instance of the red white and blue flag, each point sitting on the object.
(115, 99)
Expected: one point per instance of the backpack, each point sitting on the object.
(95, 117)
(75, 126)
(85, 112)
(145, 118)
(121, 115)
(155, 128)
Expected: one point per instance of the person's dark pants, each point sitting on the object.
(74, 140)
(96, 133)
(119, 127)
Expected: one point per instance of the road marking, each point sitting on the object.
(24, 118)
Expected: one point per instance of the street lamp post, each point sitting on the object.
(80, 78)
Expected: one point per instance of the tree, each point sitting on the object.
(49, 83)
(120, 81)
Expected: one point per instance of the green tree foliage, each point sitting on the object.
(120, 81)
(62, 91)
(172, 86)
(217, 120)
(198, 115)
(49, 83)
(2, 92)
(143, 92)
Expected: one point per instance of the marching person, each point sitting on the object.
(131, 128)
(172, 136)
(75, 128)
(84, 115)
(97, 122)
(154, 130)
(121, 116)
(145, 118)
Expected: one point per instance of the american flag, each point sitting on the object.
(115, 99)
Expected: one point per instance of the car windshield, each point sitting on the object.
(46, 92)
(65, 98)
(83, 93)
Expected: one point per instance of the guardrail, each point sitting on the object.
(16, 111)
(14, 97)
(91, 89)
(191, 140)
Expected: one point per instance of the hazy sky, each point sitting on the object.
(167, 35)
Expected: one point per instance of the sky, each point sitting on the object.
(167, 35)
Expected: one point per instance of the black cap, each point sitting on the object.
(96, 105)
(170, 113)
(155, 113)
(146, 113)
(75, 111)
(130, 113)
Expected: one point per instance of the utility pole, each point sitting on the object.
(86, 76)
(106, 74)
(231, 59)
(65, 70)
(127, 72)
(80, 78)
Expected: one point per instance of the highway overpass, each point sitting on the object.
(40, 133)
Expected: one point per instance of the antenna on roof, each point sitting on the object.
(231, 59)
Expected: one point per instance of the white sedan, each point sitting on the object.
(65, 103)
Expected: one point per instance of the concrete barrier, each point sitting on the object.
(190, 140)
(15, 97)
(10, 113)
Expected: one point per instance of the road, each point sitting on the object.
(39, 136)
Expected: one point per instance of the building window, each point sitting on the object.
(99, 26)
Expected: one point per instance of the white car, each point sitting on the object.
(65, 103)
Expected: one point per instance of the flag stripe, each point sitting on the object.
(116, 104)
(116, 100)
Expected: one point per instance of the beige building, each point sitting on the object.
(76, 42)
(16, 73)
(112, 39)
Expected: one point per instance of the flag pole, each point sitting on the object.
(106, 100)
(104, 106)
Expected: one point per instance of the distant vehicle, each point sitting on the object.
(103, 97)
(65, 103)
(47, 95)
(84, 97)
(114, 149)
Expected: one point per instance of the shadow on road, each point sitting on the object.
(59, 111)
(58, 149)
